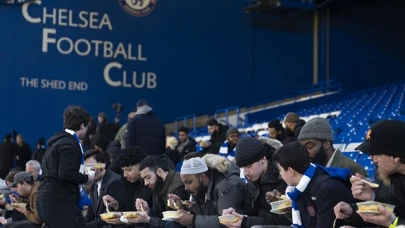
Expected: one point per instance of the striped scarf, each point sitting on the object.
(223, 151)
(294, 192)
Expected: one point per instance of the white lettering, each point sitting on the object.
(80, 86)
(108, 52)
(69, 50)
(88, 47)
(130, 57)
(97, 44)
(83, 18)
(52, 16)
(93, 20)
(106, 74)
(152, 80)
(124, 79)
(71, 23)
(27, 16)
(145, 79)
(53, 84)
(29, 82)
(140, 58)
(120, 51)
(106, 21)
(46, 39)
(62, 16)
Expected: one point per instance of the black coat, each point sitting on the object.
(39, 154)
(107, 129)
(134, 191)
(24, 153)
(217, 139)
(113, 151)
(111, 185)
(61, 175)
(7, 154)
(147, 132)
(327, 192)
(256, 204)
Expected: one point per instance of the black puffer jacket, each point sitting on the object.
(147, 132)
(113, 151)
(60, 177)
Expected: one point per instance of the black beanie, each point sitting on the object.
(249, 150)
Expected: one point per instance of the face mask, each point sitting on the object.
(320, 157)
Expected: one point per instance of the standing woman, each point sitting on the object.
(59, 192)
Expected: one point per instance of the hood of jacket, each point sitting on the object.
(59, 135)
(221, 164)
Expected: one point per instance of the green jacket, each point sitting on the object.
(341, 161)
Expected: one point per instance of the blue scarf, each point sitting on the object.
(81, 147)
(294, 192)
(223, 151)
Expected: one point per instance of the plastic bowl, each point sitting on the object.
(372, 207)
(172, 214)
(281, 204)
(228, 219)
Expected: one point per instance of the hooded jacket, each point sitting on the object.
(225, 190)
(61, 175)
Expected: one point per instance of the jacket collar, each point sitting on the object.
(168, 181)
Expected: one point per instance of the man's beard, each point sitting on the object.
(158, 185)
(201, 192)
(320, 158)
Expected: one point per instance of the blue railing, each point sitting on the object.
(184, 119)
(323, 86)
(226, 111)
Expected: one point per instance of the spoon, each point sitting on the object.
(373, 185)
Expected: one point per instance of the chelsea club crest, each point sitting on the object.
(138, 8)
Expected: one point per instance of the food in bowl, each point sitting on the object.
(228, 219)
(281, 204)
(19, 205)
(171, 214)
(99, 166)
(110, 215)
(373, 206)
(132, 214)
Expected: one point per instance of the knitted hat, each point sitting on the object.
(195, 165)
(232, 131)
(248, 151)
(22, 177)
(316, 128)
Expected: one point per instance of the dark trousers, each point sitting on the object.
(66, 215)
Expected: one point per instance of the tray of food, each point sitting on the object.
(132, 214)
(171, 215)
(281, 204)
(371, 207)
(228, 219)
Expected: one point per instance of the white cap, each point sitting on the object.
(194, 166)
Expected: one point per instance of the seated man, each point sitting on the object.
(214, 184)
(314, 190)
(27, 188)
(384, 144)
(106, 183)
(34, 167)
(129, 160)
(163, 182)
(256, 160)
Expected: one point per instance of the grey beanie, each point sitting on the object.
(231, 131)
(316, 128)
(248, 151)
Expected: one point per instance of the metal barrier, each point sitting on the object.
(226, 111)
(184, 119)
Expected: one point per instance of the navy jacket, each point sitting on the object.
(147, 132)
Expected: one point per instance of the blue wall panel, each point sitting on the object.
(366, 42)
